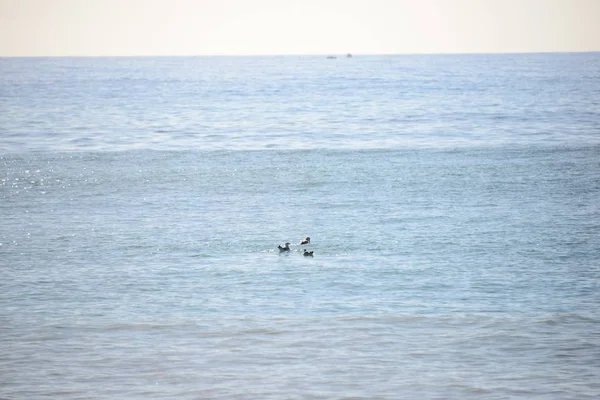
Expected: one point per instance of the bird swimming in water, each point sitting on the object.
(308, 253)
(284, 248)
(305, 241)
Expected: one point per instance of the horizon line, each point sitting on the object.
(343, 55)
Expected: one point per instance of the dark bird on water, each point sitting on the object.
(308, 253)
(306, 240)
(284, 248)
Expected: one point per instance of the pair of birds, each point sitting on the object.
(286, 248)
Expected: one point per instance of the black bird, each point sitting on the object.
(284, 248)
(305, 241)
(308, 253)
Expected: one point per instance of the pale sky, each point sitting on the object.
(256, 27)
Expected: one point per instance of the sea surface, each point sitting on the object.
(452, 201)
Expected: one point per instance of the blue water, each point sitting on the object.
(452, 203)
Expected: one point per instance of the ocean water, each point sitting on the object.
(452, 203)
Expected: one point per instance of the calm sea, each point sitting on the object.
(452, 202)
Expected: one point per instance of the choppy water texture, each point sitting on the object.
(298, 102)
(452, 203)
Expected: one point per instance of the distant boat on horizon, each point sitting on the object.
(348, 55)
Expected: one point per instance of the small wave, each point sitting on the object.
(133, 326)
(568, 318)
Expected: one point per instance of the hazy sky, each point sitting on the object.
(197, 27)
